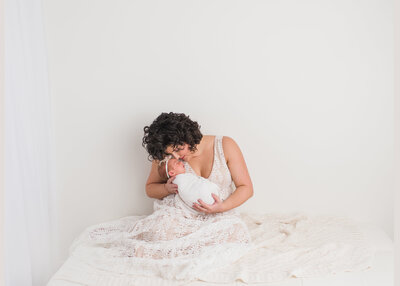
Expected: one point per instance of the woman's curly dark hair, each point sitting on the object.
(170, 129)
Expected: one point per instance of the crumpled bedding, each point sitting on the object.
(283, 246)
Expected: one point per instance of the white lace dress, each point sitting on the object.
(172, 246)
(171, 242)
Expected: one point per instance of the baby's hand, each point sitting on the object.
(171, 187)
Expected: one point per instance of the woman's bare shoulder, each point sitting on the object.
(228, 142)
(231, 148)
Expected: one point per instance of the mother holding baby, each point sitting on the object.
(172, 242)
(212, 157)
(216, 229)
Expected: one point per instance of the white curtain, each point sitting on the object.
(29, 177)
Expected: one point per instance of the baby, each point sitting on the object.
(190, 187)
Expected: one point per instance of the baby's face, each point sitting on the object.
(175, 167)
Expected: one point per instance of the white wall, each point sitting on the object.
(396, 234)
(304, 87)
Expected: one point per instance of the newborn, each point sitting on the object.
(190, 187)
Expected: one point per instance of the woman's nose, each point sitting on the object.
(176, 156)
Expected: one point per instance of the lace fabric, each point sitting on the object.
(171, 242)
(285, 246)
(172, 246)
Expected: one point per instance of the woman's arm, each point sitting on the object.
(155, 187)
(240, 176)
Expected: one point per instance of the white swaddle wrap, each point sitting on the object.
(191, 188)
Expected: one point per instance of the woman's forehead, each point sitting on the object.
(171, 148)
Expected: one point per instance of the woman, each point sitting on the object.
(177, 135)
(218, 230)
(172, 243)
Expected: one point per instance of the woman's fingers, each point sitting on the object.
(203, 204)
(206, 208)
(170, 180)
(199, 207)
(216, 198)
(171, 188)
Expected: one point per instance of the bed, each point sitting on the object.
(380, 270)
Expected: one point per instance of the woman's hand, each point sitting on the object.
(216, 207)
(171, 187)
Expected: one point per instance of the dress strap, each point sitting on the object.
(219, 149)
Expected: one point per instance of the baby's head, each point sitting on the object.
(170, 167)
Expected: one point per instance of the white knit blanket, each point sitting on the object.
(284, 246)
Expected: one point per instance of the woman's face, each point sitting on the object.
(179, 152)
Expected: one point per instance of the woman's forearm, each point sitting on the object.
(238, 197)
(156, 190)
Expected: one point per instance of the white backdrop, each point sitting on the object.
(304, 87)
(29, 190)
